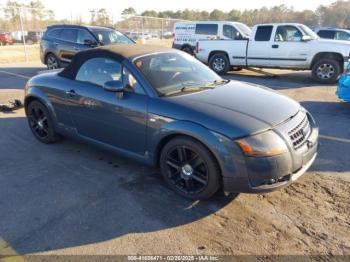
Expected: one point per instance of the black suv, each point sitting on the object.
(61, 42)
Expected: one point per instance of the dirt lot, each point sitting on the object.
(71, 198)
(15, 53)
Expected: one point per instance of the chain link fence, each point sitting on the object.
(20, 34)
(147, 29)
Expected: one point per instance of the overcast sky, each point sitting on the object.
(66, 8)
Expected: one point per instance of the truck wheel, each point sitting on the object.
(219, 63)
(187, 50)
(326, 71)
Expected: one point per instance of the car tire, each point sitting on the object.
(190, 169)
(41, 123)
(187, 50)
(219, 63)
(52, 62)
(326, 71)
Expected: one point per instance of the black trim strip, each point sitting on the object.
(278, 59)
(272, 58)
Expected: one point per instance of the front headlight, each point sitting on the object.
(263, 145)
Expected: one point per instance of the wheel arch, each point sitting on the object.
(328, 55)
(215, 52)
(36, 94)
(184, 46)
(50, 52)
(205, 137)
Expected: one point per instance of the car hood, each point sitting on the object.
(238, 108)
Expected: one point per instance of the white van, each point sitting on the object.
(187, 34)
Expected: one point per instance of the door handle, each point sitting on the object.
(71, 93)
(275, 46)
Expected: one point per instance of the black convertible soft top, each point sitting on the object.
(117, 52)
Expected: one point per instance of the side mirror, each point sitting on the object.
(306, 38)
(90, 43)
(114, 86)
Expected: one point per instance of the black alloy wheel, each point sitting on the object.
(40, 123)
(190, 169)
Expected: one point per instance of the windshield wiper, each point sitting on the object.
(218, 83)
(187, 88)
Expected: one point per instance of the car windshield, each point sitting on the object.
(309, 32)
(245, 30)
(109, 37)
(174, 73)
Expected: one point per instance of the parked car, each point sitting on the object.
(61, 42)
(33, 37)
(343, 90)
(187, 34)
(5, 39)
(333, 33)
(281, 46)
(163, 107)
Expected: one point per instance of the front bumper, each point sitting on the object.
(266, 174)
(243, 185)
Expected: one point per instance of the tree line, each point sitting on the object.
(36, 16)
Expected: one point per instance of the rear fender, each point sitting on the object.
(35, 93)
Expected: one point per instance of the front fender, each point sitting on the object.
(225, 151)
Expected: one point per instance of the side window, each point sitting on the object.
(231, 32)
(263, 33)
(340, 35)
(84, 35)
(206, 29)
(69, 35)
(99, 70)
(131, 84)
(328, 34)
(55, 33)
(288, 34)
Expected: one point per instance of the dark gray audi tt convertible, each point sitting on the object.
(164, 108)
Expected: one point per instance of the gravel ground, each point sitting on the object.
(71, 198)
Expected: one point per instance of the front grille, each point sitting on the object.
(299, 134)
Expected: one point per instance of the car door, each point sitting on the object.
(259, 47)
(288, 49)
(237, 45)
(67, 44)
(102, 115)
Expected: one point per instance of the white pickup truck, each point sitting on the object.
(282, 46)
